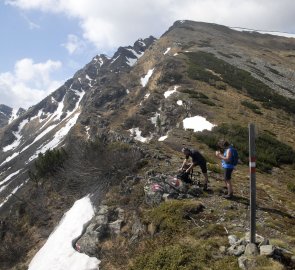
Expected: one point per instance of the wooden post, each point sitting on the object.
(252, 169)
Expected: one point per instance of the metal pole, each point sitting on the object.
(252, 169)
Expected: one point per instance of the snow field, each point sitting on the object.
(58, 252)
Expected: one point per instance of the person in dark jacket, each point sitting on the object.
(197, 160)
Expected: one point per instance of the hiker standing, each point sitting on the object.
(197, 160)
(226, 155)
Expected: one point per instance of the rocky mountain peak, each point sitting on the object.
(5, 110)
(7, 114)
(128, 56)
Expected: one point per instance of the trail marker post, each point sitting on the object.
(252, 169)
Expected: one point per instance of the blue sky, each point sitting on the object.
(44, 42)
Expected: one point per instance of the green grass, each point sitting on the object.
(190, 256)
(214, 168)
(240, 79)
(172, 216)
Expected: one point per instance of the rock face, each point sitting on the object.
(251, 250)
(106, 223)
(7, 114)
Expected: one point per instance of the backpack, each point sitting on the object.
(184, 176)
(234, 156)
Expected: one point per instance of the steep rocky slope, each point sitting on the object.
(124, 115)
(8, 114)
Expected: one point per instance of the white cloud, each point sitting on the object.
(113, 23)
(28, 83)
(74, 44)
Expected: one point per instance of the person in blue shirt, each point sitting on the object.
(225, 154)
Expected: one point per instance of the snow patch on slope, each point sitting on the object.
(13, 116)
(42, 134)
(144, 80)
(136, 133)
(163, 138)
(18, 136)
(170, 92)
(154, 118)
(12, 192)
(131, 61)
(167, 50)
(7, 179)
(58, 137)
(10, 158)
(197, 123)
(58, 253)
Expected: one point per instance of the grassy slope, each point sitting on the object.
(195, 242)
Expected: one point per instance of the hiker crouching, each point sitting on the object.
(197, 160)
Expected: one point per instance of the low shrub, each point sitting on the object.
(207, 102)
(48, 163)
(270, 152)
(170, 77)
(200, 62)
(199, 96)
(251, 106)
(220, 85)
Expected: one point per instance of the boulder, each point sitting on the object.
(242, 241)
(264, 242)
(239, 250)
(267, 250)
(115, 227)
(236, 250)
(87, 245)
(107, 222)
(251, 250)
(231, 250)
(138, 228)
(232, 239)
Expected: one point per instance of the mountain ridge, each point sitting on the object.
(102, 116)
